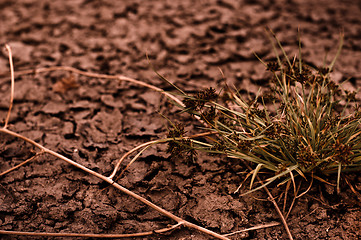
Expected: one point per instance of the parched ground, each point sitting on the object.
(95, 121)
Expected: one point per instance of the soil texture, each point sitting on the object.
(95, 121)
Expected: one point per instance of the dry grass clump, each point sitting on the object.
(304, 125)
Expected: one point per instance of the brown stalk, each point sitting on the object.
(254, 228)
(12, 84)
(352, 188)
(293, 201)
(97, 75)
(145, 145)
(21, 164)
(285, 197)
(89, 235)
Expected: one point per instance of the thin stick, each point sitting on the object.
(295, 191)
(278, 211)
(12, 84)
(116, 185)
(132, 161)
(97, 75)
(309, 187)
(285, 198)
(144, 145)
(116, 168)
(293, 201)
(352, 188)
(21, 164)
(261, 226)
(89, 235)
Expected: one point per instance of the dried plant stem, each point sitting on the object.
(90, 235)
(146, 145)
(254, 228)
(278, 211)
(179, 220)
(352, 188)
(21, 164)
(12, 85)
(116, 168)
(293, 201)
(97, 75)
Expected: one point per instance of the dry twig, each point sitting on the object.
(89, 235)
(12, 85)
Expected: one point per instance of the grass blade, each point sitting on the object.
(255, 172)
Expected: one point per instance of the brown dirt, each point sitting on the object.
(96, 121)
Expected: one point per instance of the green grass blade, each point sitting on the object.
(282, 49)
(330, 67)
(299, 51)
(163, 78)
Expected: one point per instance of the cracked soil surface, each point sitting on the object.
(95, 121)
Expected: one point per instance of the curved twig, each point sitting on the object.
(12, 85)
(21, 164)
(148, 144)
(116, 168)
(97, 75)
